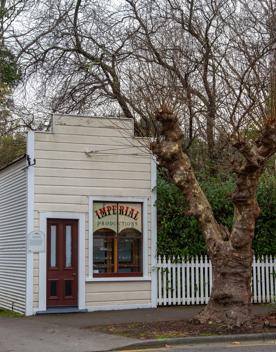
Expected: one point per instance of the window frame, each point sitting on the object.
(144, 275)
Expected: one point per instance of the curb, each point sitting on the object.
(196, 340)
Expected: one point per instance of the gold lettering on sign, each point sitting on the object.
(123, 210)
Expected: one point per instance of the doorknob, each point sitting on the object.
(74, 274)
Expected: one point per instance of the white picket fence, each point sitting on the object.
(183, 282)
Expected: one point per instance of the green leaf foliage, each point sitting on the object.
(177, 234)
(180, 235)
(265, 233)
(9, 73)
(11, 148)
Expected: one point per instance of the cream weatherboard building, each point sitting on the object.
(78, 220)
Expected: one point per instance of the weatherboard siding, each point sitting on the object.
(117, 293)
(85, 157)
(13, 224)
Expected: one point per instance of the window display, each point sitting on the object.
(117, 239)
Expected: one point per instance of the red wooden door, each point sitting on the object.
(62, 263)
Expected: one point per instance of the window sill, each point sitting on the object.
(117, 279)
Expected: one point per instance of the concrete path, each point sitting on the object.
(66, 332)
(25, 335)
(120, 316)
(129, 316)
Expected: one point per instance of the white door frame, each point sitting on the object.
(44, 216)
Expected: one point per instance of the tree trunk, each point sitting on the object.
(230, 252)
(210, 135)
(230, 300)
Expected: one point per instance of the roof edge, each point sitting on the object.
(93, 117)
(20, 158)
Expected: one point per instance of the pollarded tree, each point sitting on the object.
(226, 81)
(230, 251)
(204, 66)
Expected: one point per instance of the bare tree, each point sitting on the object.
(9, 72)
(205, 67)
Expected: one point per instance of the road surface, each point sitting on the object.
(246, 346)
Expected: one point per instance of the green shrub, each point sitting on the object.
(179, 234)
(265, 233)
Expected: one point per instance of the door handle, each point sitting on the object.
(74, 274)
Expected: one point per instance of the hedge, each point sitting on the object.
(179, 234)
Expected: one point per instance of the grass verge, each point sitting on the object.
(9, 313)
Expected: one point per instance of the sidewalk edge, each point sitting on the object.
(196, 340)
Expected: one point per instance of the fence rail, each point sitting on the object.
(183, 282)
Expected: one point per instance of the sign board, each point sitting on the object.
(36, 242)
(117, 216)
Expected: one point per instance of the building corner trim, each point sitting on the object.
(153, 232)
(30, 225)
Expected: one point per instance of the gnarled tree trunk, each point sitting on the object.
(230, 252)
(230, 301)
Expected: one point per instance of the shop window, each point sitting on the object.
(117, 239)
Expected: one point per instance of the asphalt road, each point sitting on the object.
(247, 346)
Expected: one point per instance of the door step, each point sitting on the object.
(61, 311)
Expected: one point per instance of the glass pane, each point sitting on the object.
(105, 216)
(68, 245)
(53, 288)
(130, 252)
(103, 251)
(125, 251)
(68, 288)
(53, 246)
(117, 240)
(130, 216)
